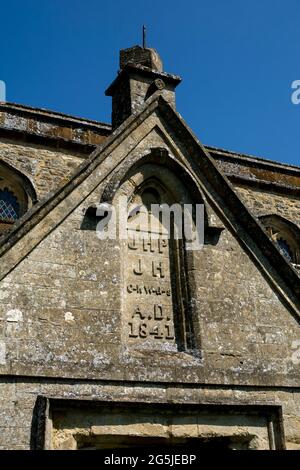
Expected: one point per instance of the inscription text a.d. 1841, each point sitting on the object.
(149, 296)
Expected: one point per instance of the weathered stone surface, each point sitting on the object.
(112, 323)
(90, 422)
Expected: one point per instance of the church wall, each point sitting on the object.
(47, 168)
(19, 402)
(64, 302)
(61, 317)
(265, 202)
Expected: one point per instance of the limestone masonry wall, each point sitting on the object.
(47, 168)
(265, 202)
(64, 331)
(18, 400)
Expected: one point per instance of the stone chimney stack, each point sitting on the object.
(140, 75)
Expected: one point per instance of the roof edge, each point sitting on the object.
(90, 123)
(47, 113)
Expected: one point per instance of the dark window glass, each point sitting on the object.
(285, 249)
(9, 206)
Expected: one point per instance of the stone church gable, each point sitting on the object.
(212, 183)
(109, 343)
(63, 289)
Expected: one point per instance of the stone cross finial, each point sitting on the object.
(144, 36)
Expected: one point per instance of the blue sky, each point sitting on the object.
(237, 60)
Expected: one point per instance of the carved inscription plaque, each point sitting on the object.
(149, 298)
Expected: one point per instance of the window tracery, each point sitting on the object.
(286, 235)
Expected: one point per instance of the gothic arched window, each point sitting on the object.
(16, 196)
(286, 236)
(158, 311)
